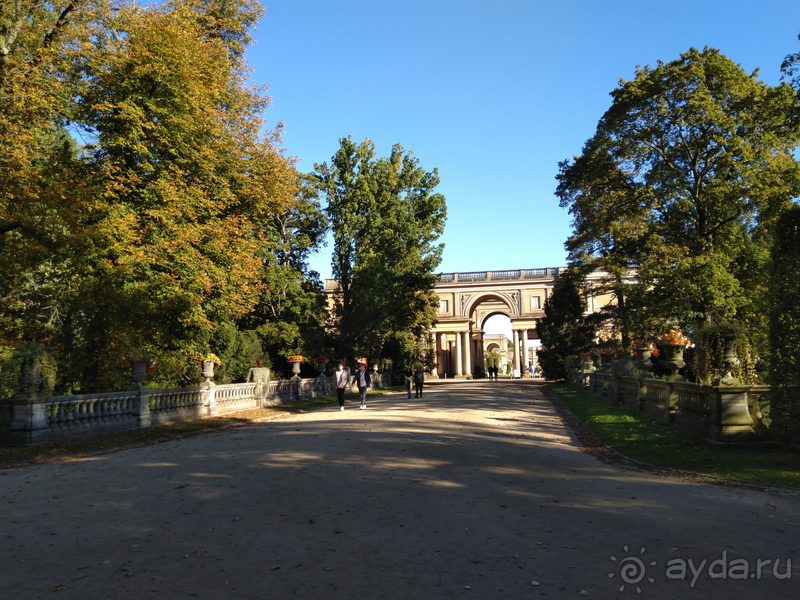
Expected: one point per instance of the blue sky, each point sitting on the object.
(493, 94)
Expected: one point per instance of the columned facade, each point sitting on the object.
(466, 300)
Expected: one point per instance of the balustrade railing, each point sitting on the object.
(717, 413)
(34, 420)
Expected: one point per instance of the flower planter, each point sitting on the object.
(673, 362)
(208, 370)
(139, 371)
(728, 362)
(296, 368)
(321, 366)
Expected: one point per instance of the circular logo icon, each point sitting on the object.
(632, 570)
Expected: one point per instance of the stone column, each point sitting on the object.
(524, 350)
(467, 343)
(481, 355)
(516, 350)
(436, 344)
(459, 368)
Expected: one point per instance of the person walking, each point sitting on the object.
(409, 380)
(419, 378)
(339, 382)
(362, 380)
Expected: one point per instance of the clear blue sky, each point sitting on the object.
(493, 94)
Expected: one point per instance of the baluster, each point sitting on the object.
(52, 415)
(79, 413)
(60, 418)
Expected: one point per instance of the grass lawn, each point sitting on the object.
(18, 456)
(641, 438)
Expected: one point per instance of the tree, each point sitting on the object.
(683, 179)
(785, 330)
(291, 312)
(564, 330)
(385, 219)
(150, 234)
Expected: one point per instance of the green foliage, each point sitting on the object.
(237, 350)
(712, 341)
(492, 359)
(785, 330)
(29, 368)
(385, 220)
(683, 180)
(564, 330)
(290, 314)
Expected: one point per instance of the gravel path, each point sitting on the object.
(474, 491)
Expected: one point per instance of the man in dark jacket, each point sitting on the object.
(361, 378)
(419, 378)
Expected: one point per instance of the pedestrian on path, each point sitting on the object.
(409, 380)
(362, 380)
(419, 378)
(339, 382)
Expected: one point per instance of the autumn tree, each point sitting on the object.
(150, 233)
(386, 219)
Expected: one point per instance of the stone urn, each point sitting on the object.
(208, 370)
(296, 368)
(139, 371)
(643, 361)
(728, 362)
(375, 364)
(321, 366)
(673, 362)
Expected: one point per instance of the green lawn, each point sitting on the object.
(641, 438)
(17, 456)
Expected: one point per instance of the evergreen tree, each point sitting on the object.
(565, 330)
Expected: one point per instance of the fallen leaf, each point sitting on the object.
(57, 588)
(275, 568)
(535, 583)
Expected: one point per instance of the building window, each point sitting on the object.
(536, 303)
(444, 307)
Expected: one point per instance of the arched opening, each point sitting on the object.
(497, 342)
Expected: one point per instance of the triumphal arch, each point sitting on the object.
(467, 300)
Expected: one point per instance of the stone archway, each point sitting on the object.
(463, 310)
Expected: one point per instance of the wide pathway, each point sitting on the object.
(474, 491)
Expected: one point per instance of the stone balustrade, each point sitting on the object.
(717, 413)
(32, 420)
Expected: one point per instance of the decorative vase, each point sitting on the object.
(643, 361)
(139, 371)
(321, 366)
(296, 368)
(208, 370)
(605, 361)
(728, 363)
(375, 364)
(673, 361)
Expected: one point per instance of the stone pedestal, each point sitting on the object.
(730, 419)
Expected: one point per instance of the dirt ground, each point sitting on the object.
(476, 490)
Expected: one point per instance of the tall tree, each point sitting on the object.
(688, 168)
(386, 220)
(152, 231)
(565, 330)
